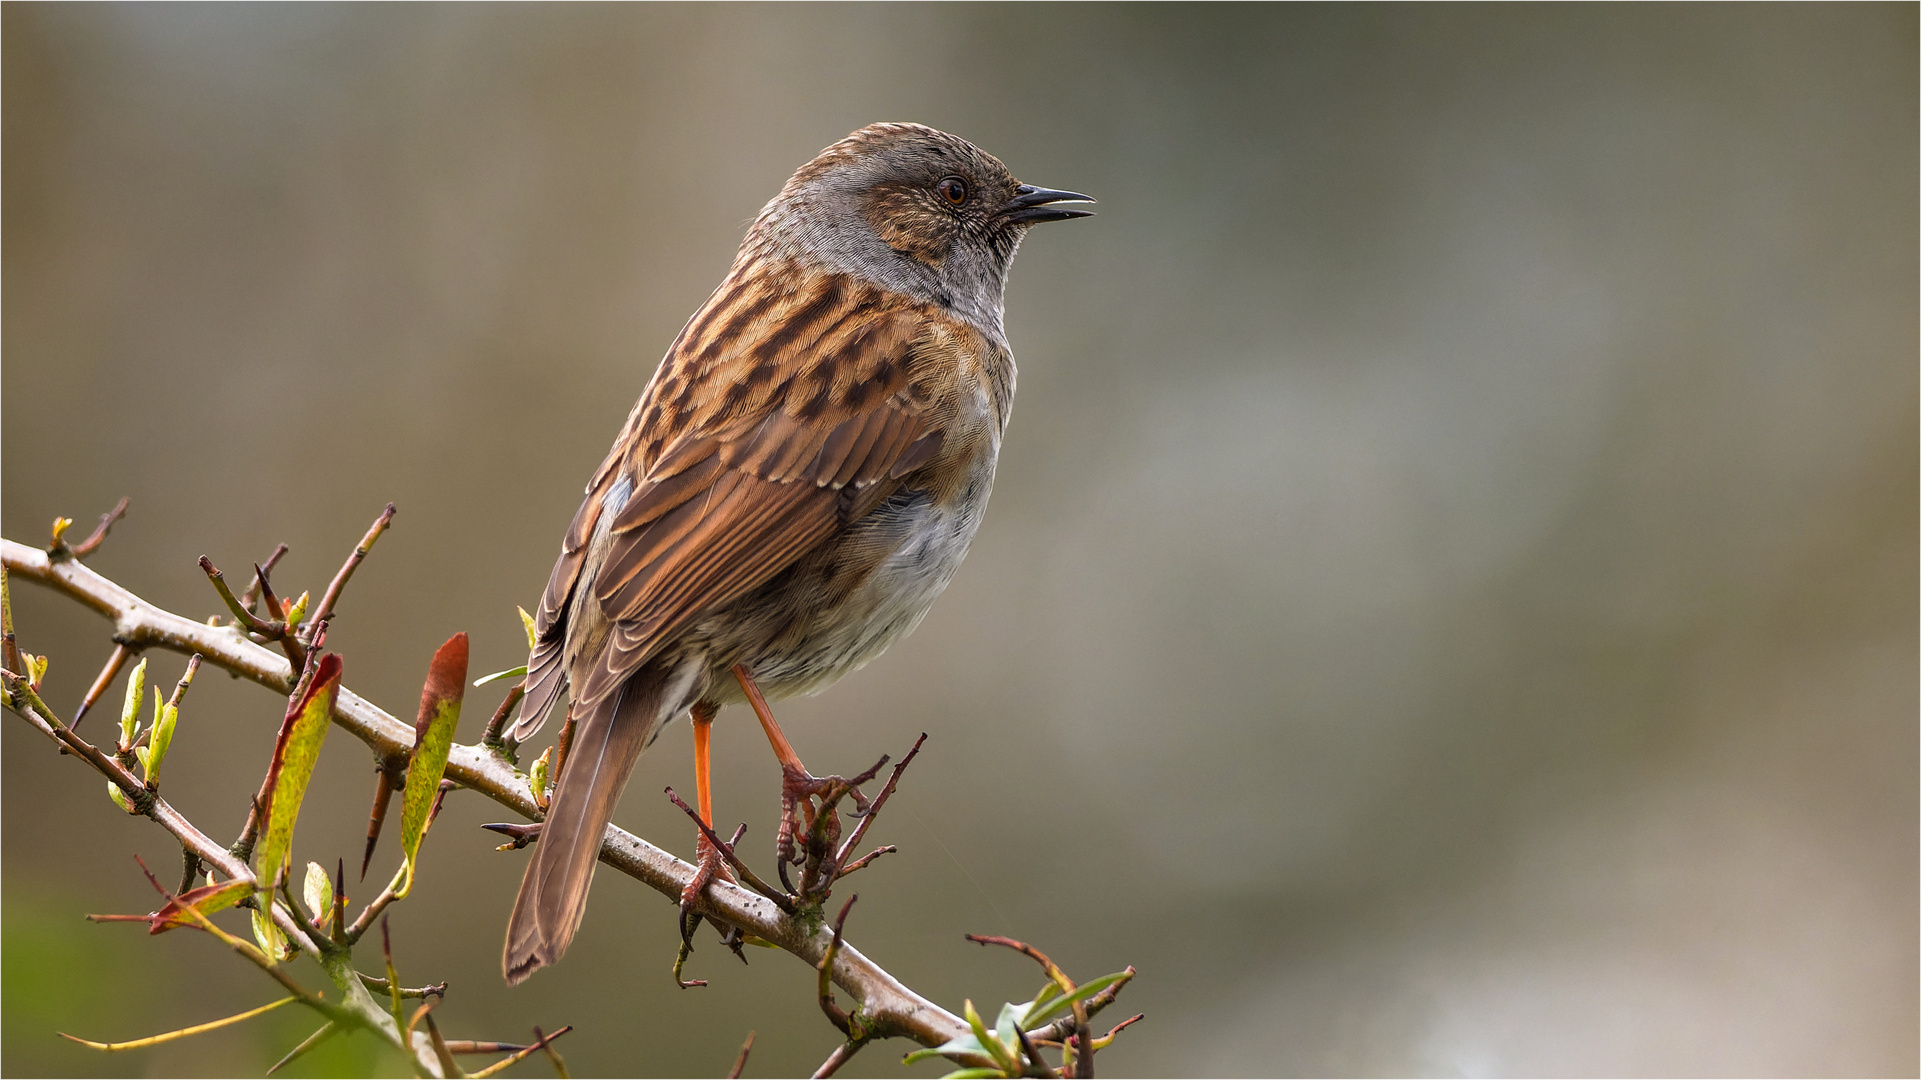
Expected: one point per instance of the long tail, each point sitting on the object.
(607, 742)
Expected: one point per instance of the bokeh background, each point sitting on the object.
(1449, 606)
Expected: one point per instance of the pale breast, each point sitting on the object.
(845, 603)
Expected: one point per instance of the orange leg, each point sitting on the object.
(703, 717)
(797, 785)
(783, 749)
(711, 864)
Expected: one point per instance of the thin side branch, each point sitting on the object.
(86, 547)
(546, 1041)
(107, 675)
(726, 851)
(835, 1060)
(259, 576)
(332, 595)
(375, 983)
(740, 1063)
(156, 1040)
(835, 1014)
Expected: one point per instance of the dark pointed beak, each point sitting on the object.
(1031, 205)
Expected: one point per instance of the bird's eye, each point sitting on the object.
(953, 189)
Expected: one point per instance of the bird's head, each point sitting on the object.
(912, 209)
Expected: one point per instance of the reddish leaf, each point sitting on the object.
(433, 736)
(207, 899)
(294, 753)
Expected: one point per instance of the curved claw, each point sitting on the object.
(797, 786)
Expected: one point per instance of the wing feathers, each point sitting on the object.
(754, 425)
(917, 454)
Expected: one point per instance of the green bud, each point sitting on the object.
(136, 694)
(537, 779)
(119, 797)
(166, 715)
(527, 621)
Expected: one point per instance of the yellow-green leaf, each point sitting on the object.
(527, 621)
(119, 797)
(166, 715)
(510, 673)
(433, 737)
(1047, 1006)
(1009, 1065)
(301, 733)
(136, 693)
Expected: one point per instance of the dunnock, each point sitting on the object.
(796, 485)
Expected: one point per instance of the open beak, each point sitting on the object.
(1031, 205)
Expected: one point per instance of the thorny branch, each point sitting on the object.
(789, 919)
(27, 704)
(890, 1007)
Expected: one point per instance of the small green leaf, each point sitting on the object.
(119, 797)
(1044, 1009)
(527, 621)
(433, 737)
(318, 892)
(298, 610)
(510, 673)
(1033, 1011)
(166, 716)
(1009, 1064)
(302, 732)
(272, 941)
(1004, 1029)
(974, 1074)
(136, 693)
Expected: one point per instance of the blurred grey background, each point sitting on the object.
(1449, 606)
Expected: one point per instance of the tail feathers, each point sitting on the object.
(546, 678)
(607, 742)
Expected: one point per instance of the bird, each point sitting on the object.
(797, 483)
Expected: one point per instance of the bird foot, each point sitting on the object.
(709, 866)
(798, 815)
